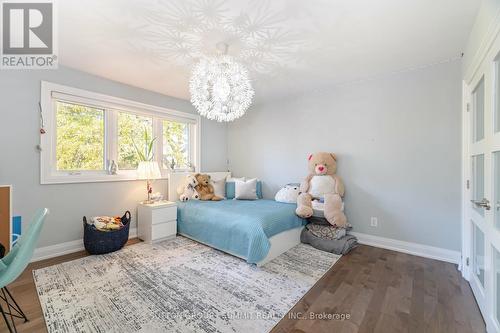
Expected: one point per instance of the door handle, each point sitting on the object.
(485, 203)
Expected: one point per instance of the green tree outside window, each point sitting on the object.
(79, 137)
(176, 144)
(135, 134)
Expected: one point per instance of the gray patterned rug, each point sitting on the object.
(175, 286)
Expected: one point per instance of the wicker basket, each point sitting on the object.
(100, 242)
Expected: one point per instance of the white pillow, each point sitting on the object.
(246, 190)
(219, 187)
(231, 179)
(288, 194)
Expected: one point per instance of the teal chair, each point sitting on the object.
(14, 263)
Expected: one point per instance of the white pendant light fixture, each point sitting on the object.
(220, 87)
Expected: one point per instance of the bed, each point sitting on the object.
(254, 230)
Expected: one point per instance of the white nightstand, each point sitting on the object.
(157, 221)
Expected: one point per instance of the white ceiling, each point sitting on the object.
(288, 45)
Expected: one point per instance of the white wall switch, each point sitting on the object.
(374, 221)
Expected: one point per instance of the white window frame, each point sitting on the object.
(52, 92)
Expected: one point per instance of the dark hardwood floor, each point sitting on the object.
(375, 290)
(387, 291)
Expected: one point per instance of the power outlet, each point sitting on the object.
(374, 221)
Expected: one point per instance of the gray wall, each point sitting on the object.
(398, 140)
(19, 160)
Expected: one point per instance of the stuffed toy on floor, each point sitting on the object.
(322, 184)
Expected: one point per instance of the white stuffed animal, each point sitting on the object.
(187, 190)
(288, 194)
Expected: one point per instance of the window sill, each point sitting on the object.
(76, 179)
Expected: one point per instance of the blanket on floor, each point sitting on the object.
(342, 245)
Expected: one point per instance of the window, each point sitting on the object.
(478, 263)
(80, 137)
(478, 112)
(497, 95)
(85, 133)
(135, 133)
(176, 145)
(478, 180)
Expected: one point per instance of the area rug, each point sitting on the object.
(175, 286)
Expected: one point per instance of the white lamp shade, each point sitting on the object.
(148, 170)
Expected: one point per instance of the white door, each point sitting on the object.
(482, 190)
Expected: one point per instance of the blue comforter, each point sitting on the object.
(239, 227)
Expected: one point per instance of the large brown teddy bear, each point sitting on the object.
(322, 183)
(204, 188)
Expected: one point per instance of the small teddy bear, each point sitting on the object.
(205, 189)
(187, 190)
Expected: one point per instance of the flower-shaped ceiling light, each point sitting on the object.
(220, 87)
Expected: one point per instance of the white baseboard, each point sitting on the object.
(420, 250)
(57, 250)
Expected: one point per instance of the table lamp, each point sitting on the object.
(148, 170)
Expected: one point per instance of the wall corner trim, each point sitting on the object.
(416, 249)
(57, 250)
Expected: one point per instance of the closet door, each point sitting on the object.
(482, 193)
